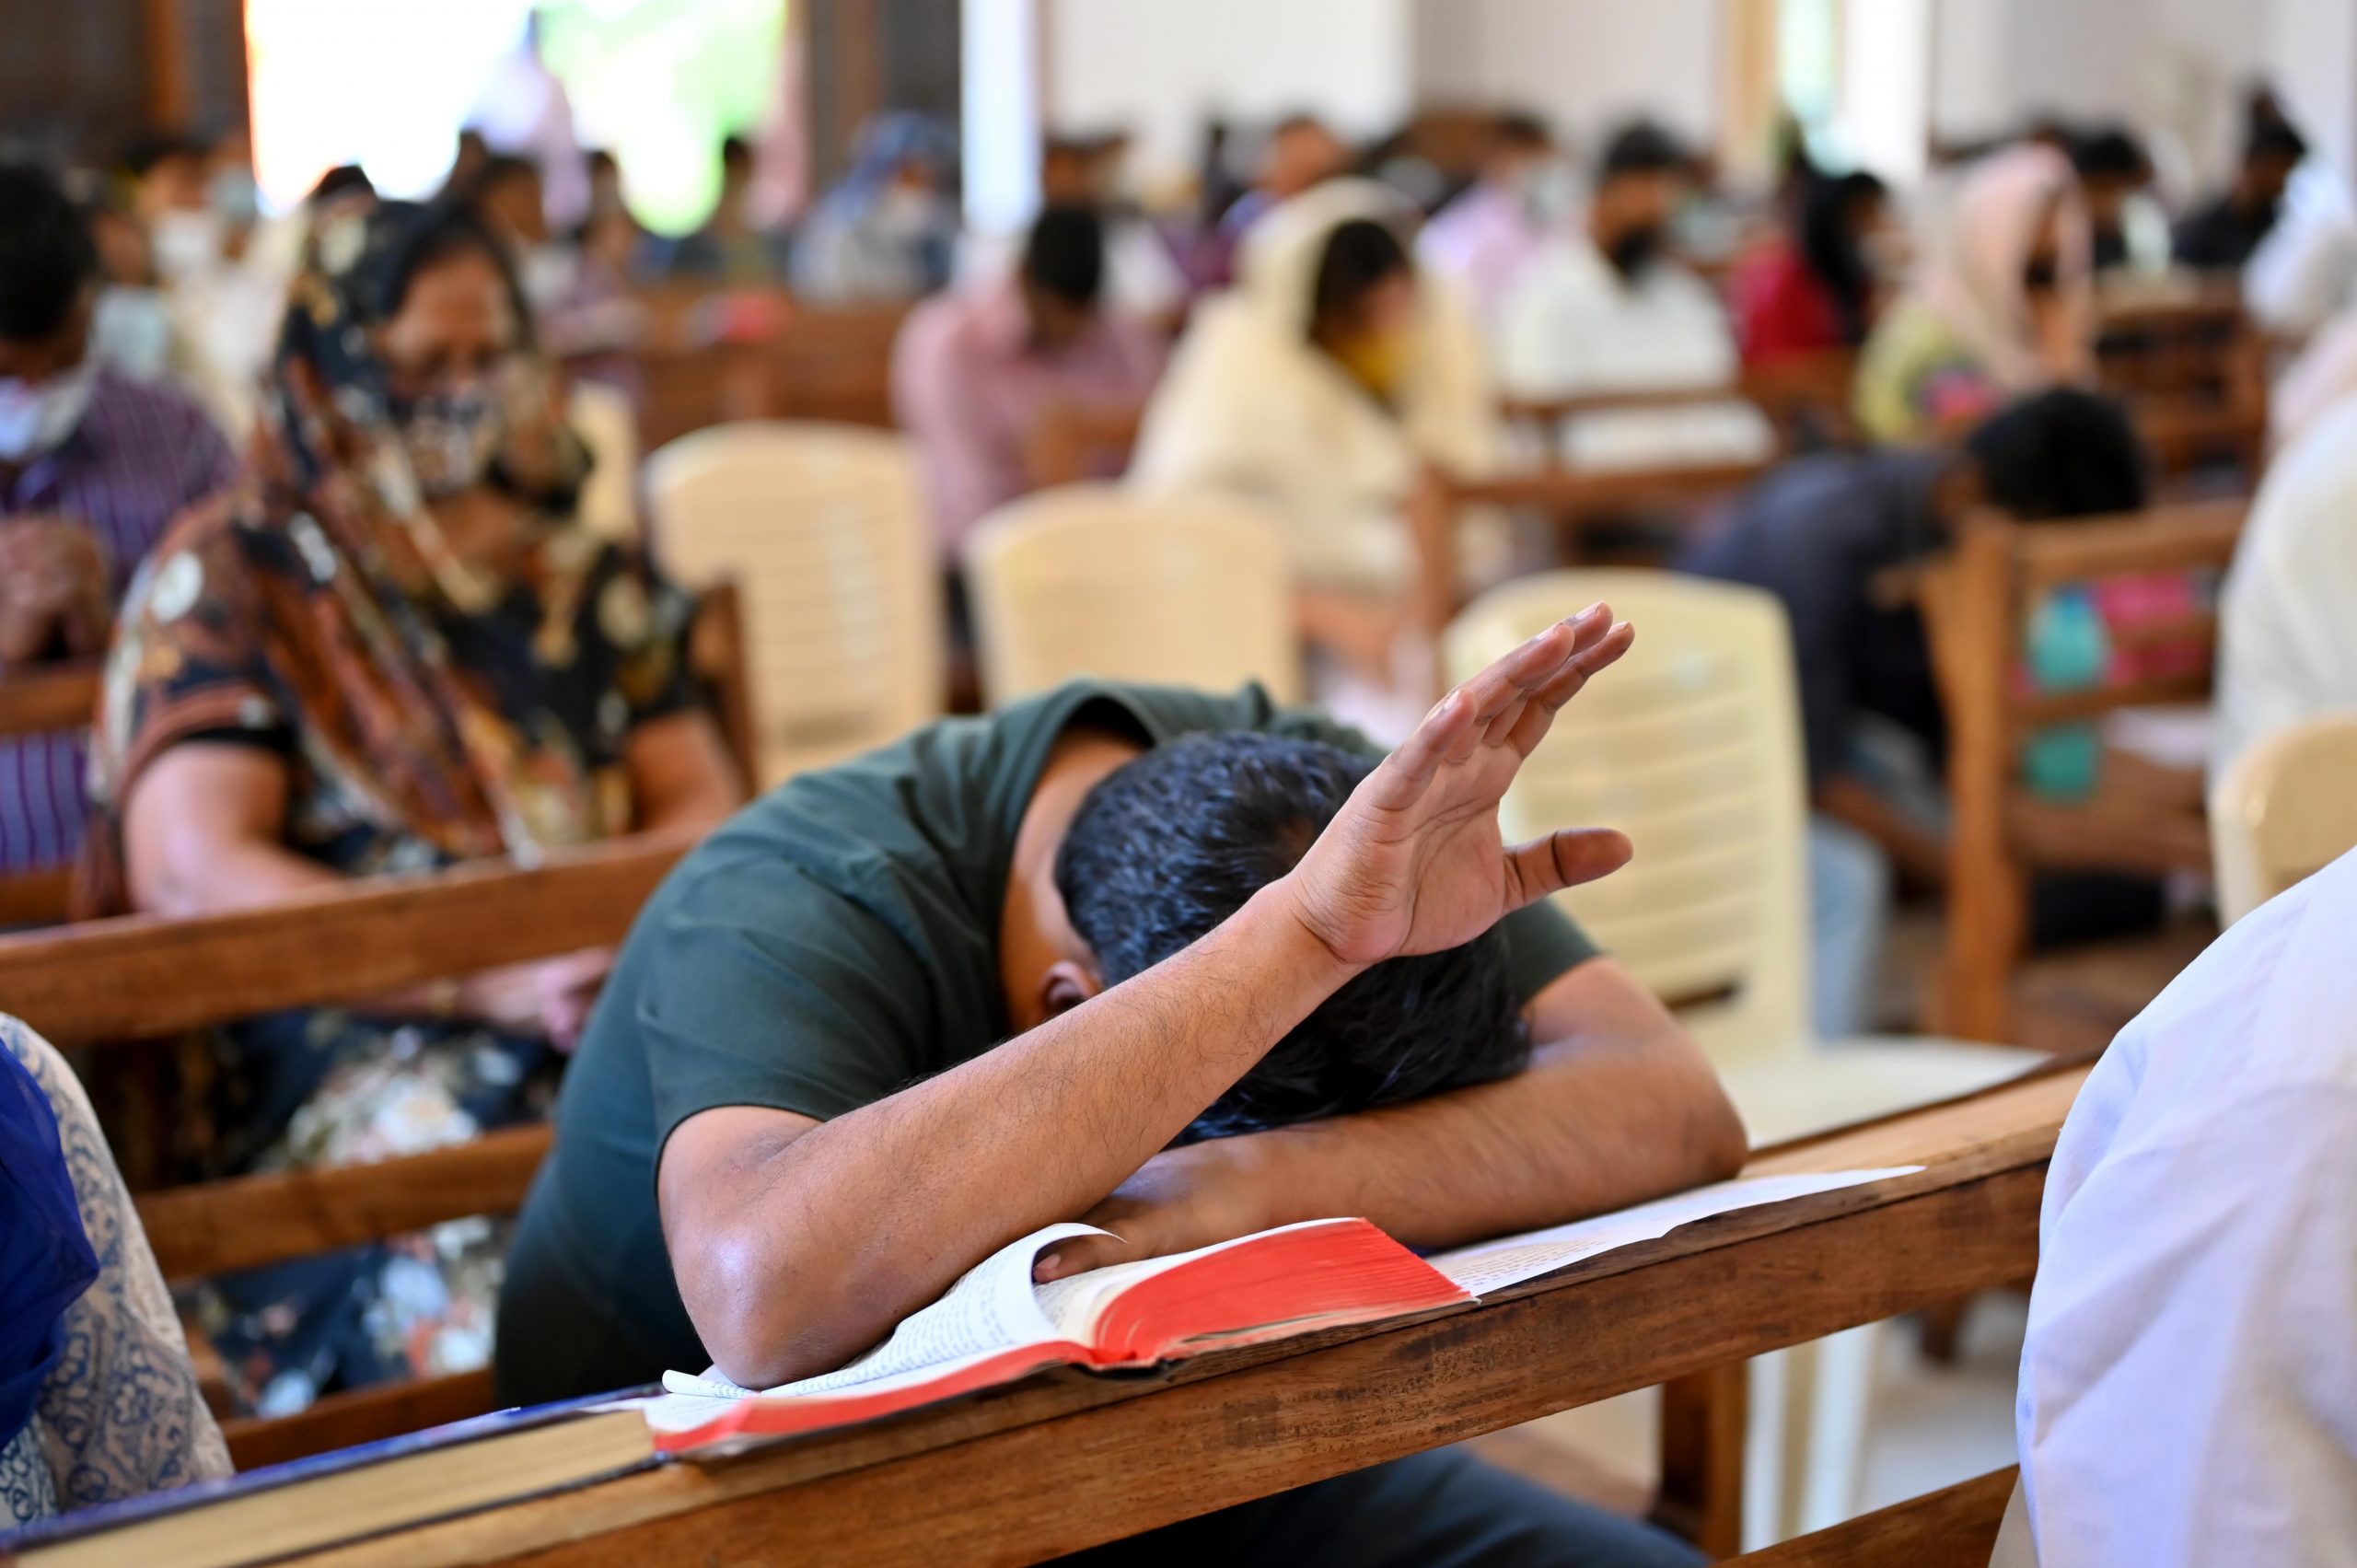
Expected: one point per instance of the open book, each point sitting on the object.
(994, 1325)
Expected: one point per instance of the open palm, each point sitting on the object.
(1414, 863)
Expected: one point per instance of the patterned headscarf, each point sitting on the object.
(319, 597)
(329, 440)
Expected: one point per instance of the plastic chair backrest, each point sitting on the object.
(2283, 810)
(1094, 579)
(607, 425)
(1692, 746)
(823, 528)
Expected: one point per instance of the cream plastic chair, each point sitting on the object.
(607, 425)
(823, 528)
(1691, 744)
(2284, 809)
(1094, 579)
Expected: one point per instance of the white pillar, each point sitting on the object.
(999, 83)
(1886, 85)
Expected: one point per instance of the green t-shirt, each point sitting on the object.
(834, 942)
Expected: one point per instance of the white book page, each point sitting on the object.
(1489, 1266)
(991, 1308)
(1075, 1304)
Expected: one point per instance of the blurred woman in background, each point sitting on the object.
(389, 649)
(1811, 287)
(1339, 383)
(2001, 304)
(889, 230)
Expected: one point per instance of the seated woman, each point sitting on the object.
(2000, 305)
(120, 1416)
(389, 649)
(1337, 382)
(1811, 287)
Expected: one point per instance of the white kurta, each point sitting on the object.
(1571, 325)
(1249, 405)
(2287, 634)
(2189, 1387)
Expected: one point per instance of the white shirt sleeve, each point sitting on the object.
(2188, 1391)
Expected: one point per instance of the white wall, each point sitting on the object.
(1585, 64)
(2176, 69)
(1162, 67)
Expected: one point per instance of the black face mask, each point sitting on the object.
(2038, 277)
(1634, 250)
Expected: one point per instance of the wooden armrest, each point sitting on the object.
(1956, 1527)
(43, 698)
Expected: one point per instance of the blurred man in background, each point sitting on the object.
(93, 465)
(1485, 238)
(1607, 309)
(982, 376)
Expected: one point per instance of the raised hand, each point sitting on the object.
(1414, 863)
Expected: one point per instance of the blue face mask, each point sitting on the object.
(36, 417)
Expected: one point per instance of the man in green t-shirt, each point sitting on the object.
(1182, 966)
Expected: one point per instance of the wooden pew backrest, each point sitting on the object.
(43, 700)
(1977, 609)
(105, 985)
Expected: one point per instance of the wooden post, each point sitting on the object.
(1703, 1418)
(1986, 886)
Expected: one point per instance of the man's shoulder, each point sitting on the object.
(130, 406)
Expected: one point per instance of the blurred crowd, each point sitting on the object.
(306, 481)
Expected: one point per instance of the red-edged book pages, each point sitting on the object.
(995, 1325)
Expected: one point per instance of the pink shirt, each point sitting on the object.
(969, 386)
(1483, 239)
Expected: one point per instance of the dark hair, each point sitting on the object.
(497, 170)
(47, 258)
(1359, 254)
(1828, 242)
(599, 157)
(423, 237)
(344, 179)
(2271, 136)
(1170, 845)
(1642, 147)
(1521, 129)
(143, 152)
(2111, 152)
(1065, 254)
(735, 149)
(2060, 454)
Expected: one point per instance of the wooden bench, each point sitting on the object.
(1805, 397)
(106, 986)
(1066, 1460)
(1978, 606)
(43, 700)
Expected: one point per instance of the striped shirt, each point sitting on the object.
(140, 455)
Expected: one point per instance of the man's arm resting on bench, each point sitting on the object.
(796, 1244)
(1618, 1106)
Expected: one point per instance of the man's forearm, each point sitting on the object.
(889, 1203)
(1591, 1127)
(1619, 1107)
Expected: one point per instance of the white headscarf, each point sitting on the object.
(1971, 275)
